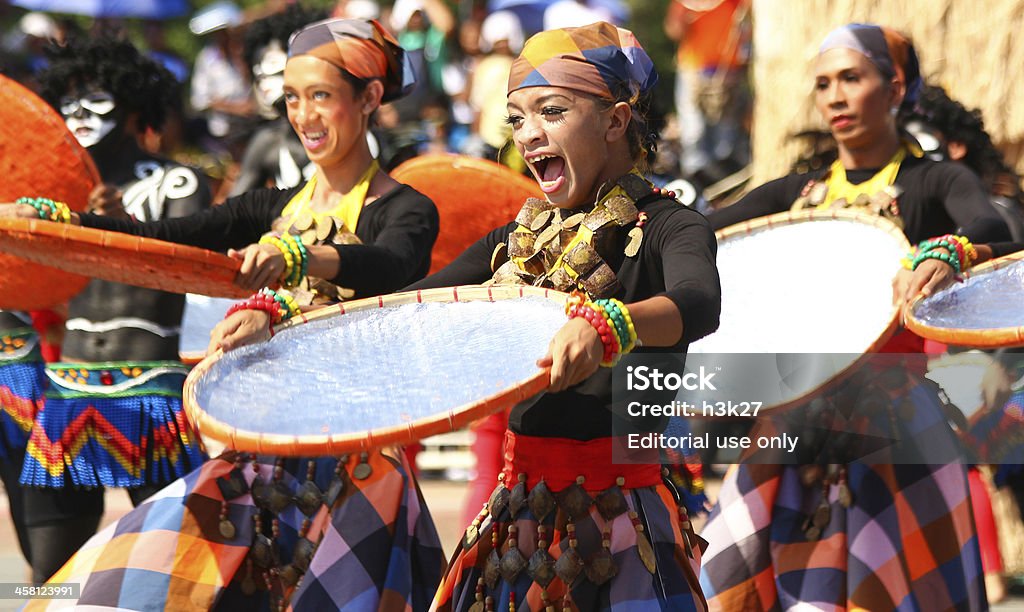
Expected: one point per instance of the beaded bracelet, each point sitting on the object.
(946, 257)
(48, 209)
(286, 253)
(613, 343)
(623, 322)
(961, 253)
(611, 320)
(258, 301)
(287, 303)
(605, 330)
(972, 253)
(301, 255)
(280, 306)
(965, 250)
(291, 276)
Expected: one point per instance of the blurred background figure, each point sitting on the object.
(712, 97)
(501, 40)
(416, 123)
(946, 129)
(356, 9)
(23, 45)
(576, 13)
(155, 37)
(274, 156)
(457, 78)
(220, 86)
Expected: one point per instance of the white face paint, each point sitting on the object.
(91, 117)
(268, 75)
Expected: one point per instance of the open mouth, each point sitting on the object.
(550, 171)
(314, 140)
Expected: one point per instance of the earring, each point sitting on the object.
(894, 111)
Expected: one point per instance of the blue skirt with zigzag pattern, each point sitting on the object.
(117, 424)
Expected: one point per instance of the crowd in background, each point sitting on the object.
(461, 55)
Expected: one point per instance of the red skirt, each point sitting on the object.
(568, 528)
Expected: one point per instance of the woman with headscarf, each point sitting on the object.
(845, 533)
(577, 520)
(313, 533)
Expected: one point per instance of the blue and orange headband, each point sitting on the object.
(364, 49)
(598, 59)
(890, 51)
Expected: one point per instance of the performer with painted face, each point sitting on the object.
(317, 533)
(112, 416)
(274, 156)
(572, 525)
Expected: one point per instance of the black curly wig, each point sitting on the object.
(278, 26)
(138, 84)
(958, 124)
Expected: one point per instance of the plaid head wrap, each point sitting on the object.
(598, 59)
(364, 49)
(890, 51)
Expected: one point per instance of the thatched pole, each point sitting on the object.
(973, 48)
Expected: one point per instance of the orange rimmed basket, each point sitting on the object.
(39, 158)
(473, 196)
(121, 258)
(977, 337)
(402, 430)
(790, 218)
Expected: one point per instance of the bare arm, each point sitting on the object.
(440, 17)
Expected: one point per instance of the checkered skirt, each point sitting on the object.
(997, 438)
(376, 547)
(907, 542)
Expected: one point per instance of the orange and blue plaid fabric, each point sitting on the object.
(907, 542)
(377, 547)
(364, 49)
(599, 59)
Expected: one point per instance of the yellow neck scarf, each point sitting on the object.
(839, 188)
(347, 209)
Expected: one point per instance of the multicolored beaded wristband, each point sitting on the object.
(287, 303)
(301, 255)
(965, 250)
(611, 320)
(960, 255)
(946, 257)
(606, 329)
(58, 212)
(290, 277)
(279, 306)
(258, 301)
(623, 322)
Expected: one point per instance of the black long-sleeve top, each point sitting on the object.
(398, 231)
(1005, 248)
(676, 260)
(938, 197)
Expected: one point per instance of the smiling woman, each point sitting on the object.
(317, 532)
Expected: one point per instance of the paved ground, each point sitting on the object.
(443, 497)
